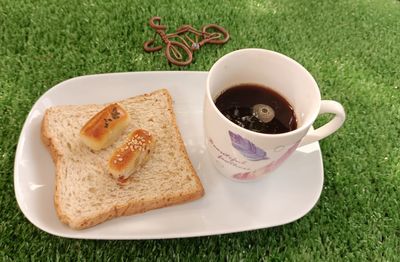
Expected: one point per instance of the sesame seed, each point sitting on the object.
(120, 159)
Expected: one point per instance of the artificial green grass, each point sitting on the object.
(352, 47)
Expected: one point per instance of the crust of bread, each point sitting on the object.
(131, 207)
(181, 144)
(56, 156)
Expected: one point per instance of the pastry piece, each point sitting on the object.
(131, 155)
(104, 127)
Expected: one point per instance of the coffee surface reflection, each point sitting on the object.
(257, 108)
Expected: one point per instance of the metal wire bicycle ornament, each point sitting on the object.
(179, 45)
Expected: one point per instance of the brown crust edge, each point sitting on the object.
(132, 207)
(56, 156)
(181, 144)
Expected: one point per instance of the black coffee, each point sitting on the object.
(257, 108)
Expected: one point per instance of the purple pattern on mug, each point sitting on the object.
(245, 176)
(247, 148)
(268, 168)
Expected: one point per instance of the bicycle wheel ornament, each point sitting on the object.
(148, 46)
(178, 53)
(216, 33)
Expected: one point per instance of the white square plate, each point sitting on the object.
(281, 197)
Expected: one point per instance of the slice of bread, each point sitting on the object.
(86, 195)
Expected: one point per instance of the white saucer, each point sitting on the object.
(281, 197)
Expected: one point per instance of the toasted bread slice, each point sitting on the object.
(85, 193)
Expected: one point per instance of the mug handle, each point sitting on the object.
(327, 106)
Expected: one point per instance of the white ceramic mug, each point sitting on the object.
(241, 154)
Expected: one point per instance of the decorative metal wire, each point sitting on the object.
(179, 45)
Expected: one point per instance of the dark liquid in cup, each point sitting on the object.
(237, 104)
